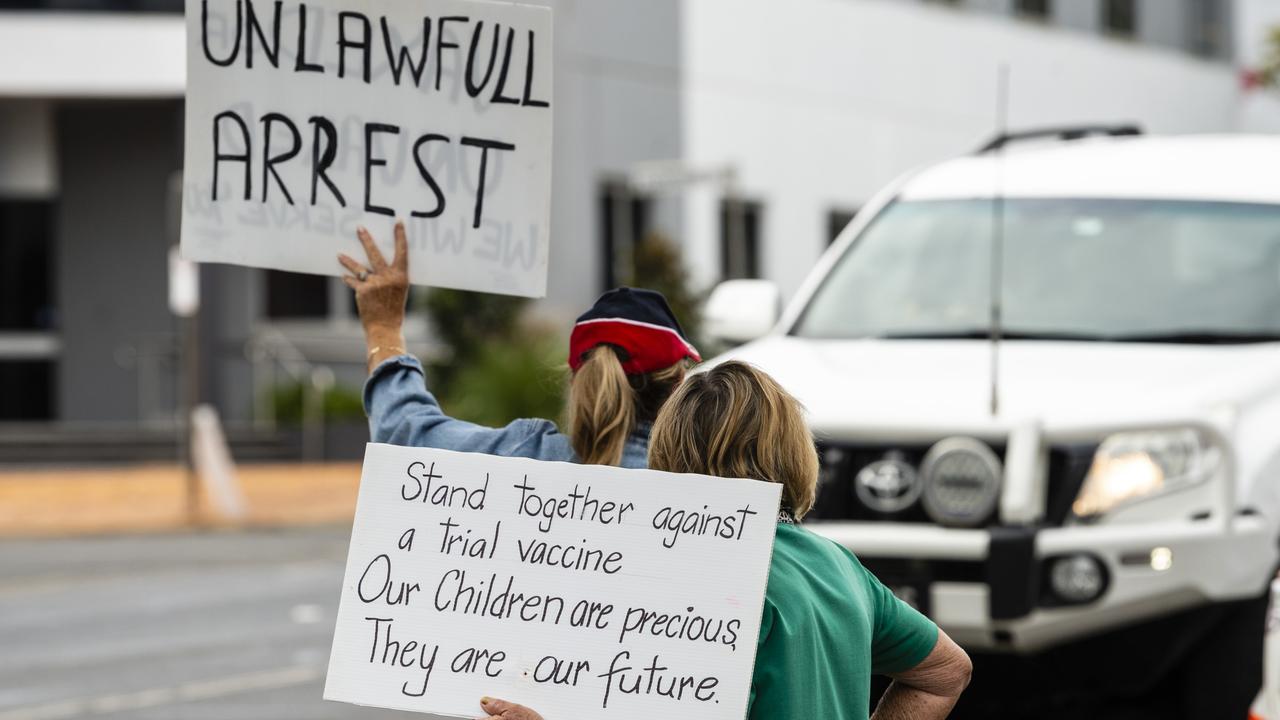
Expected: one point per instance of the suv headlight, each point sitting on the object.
(1135, 465)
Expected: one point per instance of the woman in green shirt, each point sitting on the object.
(828, 623)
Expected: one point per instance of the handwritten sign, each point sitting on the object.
(307, 119)
(578, 590)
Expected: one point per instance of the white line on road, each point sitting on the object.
(306, 614)
(154, 697)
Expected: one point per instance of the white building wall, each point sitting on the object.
(1255, 19)
(617, 102)
(818, 103)
(92, 55)
(617, 94)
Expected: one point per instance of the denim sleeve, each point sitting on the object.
(403, 412)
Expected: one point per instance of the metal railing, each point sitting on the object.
(269, 352)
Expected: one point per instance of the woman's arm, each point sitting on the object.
(929, 690)
(402, 412)
(400, 408)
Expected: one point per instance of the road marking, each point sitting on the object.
(306, 614)
(155, 697)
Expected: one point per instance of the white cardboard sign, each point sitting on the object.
(306, 119)
(580, 591)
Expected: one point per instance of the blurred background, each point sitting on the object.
(695, 141)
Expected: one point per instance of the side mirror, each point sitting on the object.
(739, 311)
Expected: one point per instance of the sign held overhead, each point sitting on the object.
(307, 119)
(577, 590)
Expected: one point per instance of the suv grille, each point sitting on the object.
(838, 498)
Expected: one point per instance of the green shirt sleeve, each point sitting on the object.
(900, 636)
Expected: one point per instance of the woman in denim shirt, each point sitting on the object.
(627, 354)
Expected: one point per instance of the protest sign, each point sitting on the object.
(578, 590)
(306, 119)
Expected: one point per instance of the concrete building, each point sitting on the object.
(747, 131)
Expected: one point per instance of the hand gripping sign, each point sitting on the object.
(305, 119)
(577, 590)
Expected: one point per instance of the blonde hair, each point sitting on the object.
(736, 421)
(605, 403)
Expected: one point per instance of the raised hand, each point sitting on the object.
(381, 293)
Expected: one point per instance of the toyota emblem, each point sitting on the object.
(888, 486)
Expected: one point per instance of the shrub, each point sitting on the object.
(658, 267)
(341, 404)
(503, 367)
(520, 376)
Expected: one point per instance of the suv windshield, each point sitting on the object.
(1137, 270)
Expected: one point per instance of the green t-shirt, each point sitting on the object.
(828, 625)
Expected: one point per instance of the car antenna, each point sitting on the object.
(997, 234)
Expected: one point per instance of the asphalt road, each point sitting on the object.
(218, 626)
(222, 626)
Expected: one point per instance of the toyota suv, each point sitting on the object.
(1045, 383)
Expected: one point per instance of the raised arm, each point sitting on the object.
(400, 408)
(403, 412)
(929, 690)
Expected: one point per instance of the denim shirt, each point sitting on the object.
(403, 412)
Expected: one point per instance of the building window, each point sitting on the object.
(1034, 9)
(1120, 17)
(27, 317)
(26, 390)
(740, 222)
(837, 220)
(625, 221)
(1205, 26)
(26, 267)
(297, 296)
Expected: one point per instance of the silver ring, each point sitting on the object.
(362, 275)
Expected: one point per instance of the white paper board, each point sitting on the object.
(542, 634)
(357, 113)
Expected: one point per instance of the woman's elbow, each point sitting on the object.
(956, 670)
(945, 672)
(963, 672)
(384, 432)
(392, 428)
(395, 425)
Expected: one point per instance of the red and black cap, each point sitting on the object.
(640, 323)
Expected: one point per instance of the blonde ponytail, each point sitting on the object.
(602, 408)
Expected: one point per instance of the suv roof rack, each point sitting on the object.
(1065, 132)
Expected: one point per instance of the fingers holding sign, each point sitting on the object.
(401, 260)
(382, 291)
(495, 708)
(371, 247)
(377, 262)
(355, 268)
(377, 272)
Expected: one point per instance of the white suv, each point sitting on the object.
(1090, 503)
